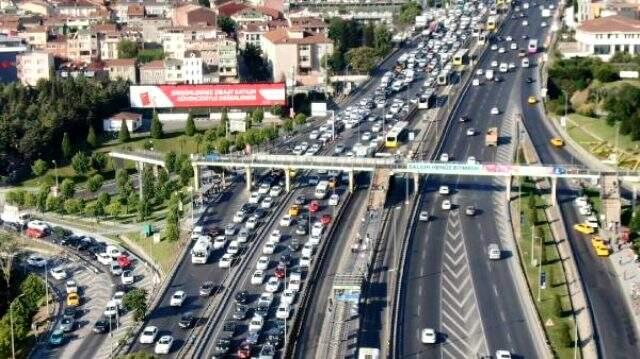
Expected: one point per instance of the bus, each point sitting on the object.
(482, 38)
(461, 57)
(427, 100)
(492, 22)
(322, 189)
(395, 134)
(533, 46)
(201, 250)
(443, 78)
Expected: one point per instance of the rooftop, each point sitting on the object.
(607, 24)
(281, 36)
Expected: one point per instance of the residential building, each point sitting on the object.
(108, 43)
(173, 71)
(57, 46)
(124, 69)
(33, 66)
(39, 7)
(251, 34)
(174, 39)
(10, 47)
(314, 25)
(152, 73)
(227, 60)
(593, 9)
(79, 8)
(151, 27)
(192, 67)
(219, 59)
(36, 37)
(83, 46)
(92, 70)
(114, 122)
(605, 36)
(191, 14)
(291, 52)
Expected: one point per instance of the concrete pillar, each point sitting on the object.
(155, 171)
(287, 180)
(554, 184)
(351, 181)
(508, 191)
(416, 182)
(196, 178)
(224, 181)
(248, 177)
(140, 168)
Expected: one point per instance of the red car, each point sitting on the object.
(244, 351)
(34, 233)
(325, 219)
(314, 206)
(280, 271)
(124, 261)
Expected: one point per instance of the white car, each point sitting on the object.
(471, 132)
(494, 63)
(269, 248)
(472, 160)
(230, 229)
(495, 111)
(317, 228)
(251, 223)
(178, 298)
(479, 72)
(501, 50)
(494, 47)
(234, 247)
(508, 38)
(366, 136)
(104, 258)
(314, 239)
(111, 310)
(127, 277)
(475, 82)
(305, 262)
(163, 346)
(37, 261)
(285, 221)
(71, 287)
(424, 216)
(503, 354)
(264, 188)
(226, 261)
(255, 198)
(266, 203)
(115, 269)
(428, 336)
(275, 191)
(543, 24)
(118, 297)
(256, 323)
(219, 242)
(334, 199)
(514, 46)
(525, 23)
(262, 263)
(288, 296)
(314, 135)
(273, 285)
(239, 217)
(148, 335)
(446, 205)
(265, 299)
(444, 190)
(283, 311)
(275, 236)
(58, 273)
(585, 210)
(582, 201)
(444, 157)
(257, 278)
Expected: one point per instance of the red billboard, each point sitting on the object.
(218, 95)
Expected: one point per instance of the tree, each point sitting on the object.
(300, 119)
(170, 161)
(104, 199)
(40, 167)
(190, 126)
(226, 24)
(127, 49)
(122, 182)
(80, 163)
(32, 288)
(123, 134)
(606, 73)
(136, 300)
(55, 203)
(99, 161)
(222, 145)
(382, 40)
(114, 209)
(255, 63)
(41, 198)
(186, 173)
(368, 35)
(635, 222)
(73, 206)
(156, 126)
(204, 3)
(66, 146)
(257, 116)
(362, 59)
(95, 183)
(171, 231)
(408, 13)
(29, 200)
(67, 188)
(92, 139)
(9, 248)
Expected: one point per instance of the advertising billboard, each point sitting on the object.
(218, 95)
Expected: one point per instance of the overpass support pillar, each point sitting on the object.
(140, 168)
(351, 182)
(287, 180)
(155, 171)
(554, 185)
(508, 189)
(196, 178)
(416, 182)
(248, 177)
(224, 182)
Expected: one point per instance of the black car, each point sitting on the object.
(241, 312)
(67, 324)
(262, 310)
(206, 288)
(294, 245)
(260, 213)
(529, 80)
(69, 312)
(186, 320)
(229, 327)
(301, 230)
(102, 326)
(222, 346)
(285, 259)
(242, 297)
(463, 119)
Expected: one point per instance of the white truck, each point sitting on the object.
(546, 12)
(12, 214)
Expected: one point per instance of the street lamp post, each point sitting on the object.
(55, 166)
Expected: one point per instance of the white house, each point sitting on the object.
(605, 36)
(113, 123)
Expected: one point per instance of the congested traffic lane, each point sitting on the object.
(500, 317)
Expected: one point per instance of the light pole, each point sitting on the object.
(55, 166)
(13, 345)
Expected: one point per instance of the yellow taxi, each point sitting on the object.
(599, 245)
(73, 300)
(293, 173)
(294, 210)
(583, 228)
(532, 100)
(556, 142)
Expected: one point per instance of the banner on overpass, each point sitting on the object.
(487, 169)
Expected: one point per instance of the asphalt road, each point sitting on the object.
(450, 285)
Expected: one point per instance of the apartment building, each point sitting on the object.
(191, 14)
(174, 39)
(124, 69)
(36, 37)
(152, 73)
(33, 66)
(82, 46)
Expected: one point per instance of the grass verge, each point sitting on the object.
(163, 253)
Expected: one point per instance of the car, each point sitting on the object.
(244, 351)
(118, 297)
(127, 277)
(264, 188)
(37, 261)
(234, 247)
(471, 132)
(67, 324)
(285, 221)
(423, 216)
(584, 228)
(294, 210)
(273, 285)
(557, 142)
(543, 24)
(494, 63)
(71, 286)
(206, 288)
(334, 199)
(525, 23)
(124, 261)
(532, 100)
(219, 242)
(111, 309)
(325, 219)
(255, 197)
(444, 190)
(242, 297)
(495, 111)
(463, 119)
(479, 72)
(178, 298)
(257, 278)
(101, 325)
(227, 260)
(104, 258)
(267, 352)
(148, 335)
(338, 149)
(239, 217)
(115, 269)
(294, 245)
(244, 234)
(283, 311)
(471, 160)
(69, 312)
(163, 346)
(56, 338)
(305, 261)
(256, 323)
(280, 271)
(299, 200)
(428, 336)
(314, 206)
(266, 203)
(503, 354)
(186, 320)
(475, 82)
(444, 157)
(73, 299)
(529, 80)
(514, 46)
(58, 273)
(446, 205)
(263, 263)
(269, 248)
(494, 47)
(275, 191)
(585, 210)
(470, 211)
(494, 251)
(288, 296)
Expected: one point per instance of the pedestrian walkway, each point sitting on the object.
(627, 269)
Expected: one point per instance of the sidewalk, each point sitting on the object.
(627, 271)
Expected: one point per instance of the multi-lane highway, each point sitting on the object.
(450, 285)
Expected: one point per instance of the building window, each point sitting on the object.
(601, 49)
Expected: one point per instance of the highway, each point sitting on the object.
(450, 285)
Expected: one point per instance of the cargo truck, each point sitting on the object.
(11, 214)
(491, 137)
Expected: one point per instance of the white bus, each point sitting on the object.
(533, 46)
(427, 100)
(201, 251)
(322, 189)
(443, 78)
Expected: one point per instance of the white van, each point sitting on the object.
(488, 74)
(504, 67)
(525, 62)
(494, 251)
